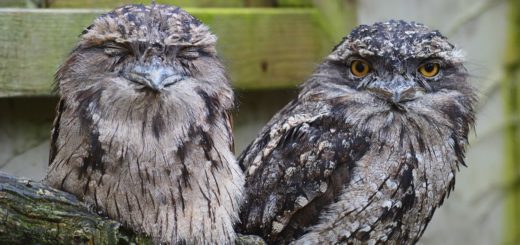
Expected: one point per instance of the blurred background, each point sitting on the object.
(270, 46)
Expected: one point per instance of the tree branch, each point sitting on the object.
(33, 213)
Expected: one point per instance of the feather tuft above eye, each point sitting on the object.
(189, 53)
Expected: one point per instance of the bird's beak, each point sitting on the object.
(396, 91)
(155, 76)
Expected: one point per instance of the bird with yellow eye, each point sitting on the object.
(361, 68)
(429, 69)
(383, 123)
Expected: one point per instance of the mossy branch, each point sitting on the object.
(33, 213)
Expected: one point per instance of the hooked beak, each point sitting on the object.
(154, 76)
(397, 91)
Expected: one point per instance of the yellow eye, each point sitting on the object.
(429, 69)
(359, 68)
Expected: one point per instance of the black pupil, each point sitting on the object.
(429, 67)
(360, 67)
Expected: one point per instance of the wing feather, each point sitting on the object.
(302, 168)
(56, 131)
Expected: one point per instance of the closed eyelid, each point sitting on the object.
(189, 48)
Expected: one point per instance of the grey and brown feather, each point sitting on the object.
(361, 160)
(143, 131)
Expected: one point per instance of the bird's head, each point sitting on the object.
(139, 50)
(139, 64)
(396, 68)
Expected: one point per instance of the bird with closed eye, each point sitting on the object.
(143, 127)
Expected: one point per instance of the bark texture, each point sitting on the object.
(33, 213)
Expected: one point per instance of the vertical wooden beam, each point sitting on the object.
(339, 17)
(511, 94)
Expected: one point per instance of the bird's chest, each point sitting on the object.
(133, 142)
(395, 189)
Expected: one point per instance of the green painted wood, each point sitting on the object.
(294, 3)
(24, 3)
(339, 17)
(262, 48)
(183, 3)
(13, 3)
(511, 95)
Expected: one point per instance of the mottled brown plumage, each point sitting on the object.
(143, 130)
(363, 156)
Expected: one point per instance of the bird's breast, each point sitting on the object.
(393, 192)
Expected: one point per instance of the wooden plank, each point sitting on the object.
(13, 3)
(262, 48)
(511, 95)
(182, 3)
(268, 48)
(294, 3)
(24, 3)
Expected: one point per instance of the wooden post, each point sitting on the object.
(511, 94)
(339, 17)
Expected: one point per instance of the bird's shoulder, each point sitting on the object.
(295, 168)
